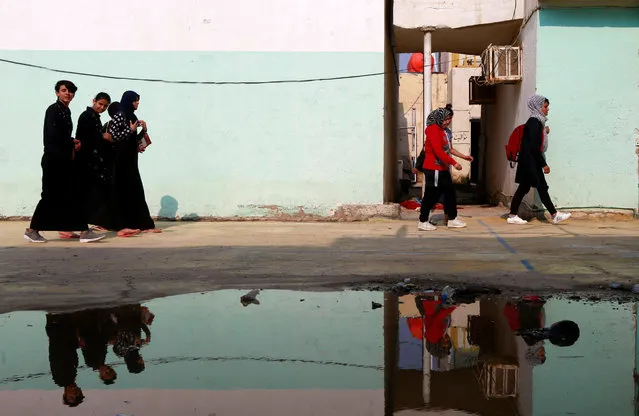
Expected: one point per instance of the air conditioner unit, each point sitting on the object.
(500, 380)
(480, 92)
(502, 64)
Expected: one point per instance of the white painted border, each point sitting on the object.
(193, 25)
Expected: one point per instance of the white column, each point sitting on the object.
(425, 368)
(428, 90)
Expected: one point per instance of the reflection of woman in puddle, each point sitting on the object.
(528, 314)
(63, 356)
(95, 329)
(128, 341)
(526, 319)
(435, 322)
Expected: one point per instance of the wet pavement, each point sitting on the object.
(279, 352)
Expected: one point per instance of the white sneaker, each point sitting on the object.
(426, 226)
(456, 223)
(516, 220)
(561, 216)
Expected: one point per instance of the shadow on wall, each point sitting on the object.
(404, 153)
(168, 207)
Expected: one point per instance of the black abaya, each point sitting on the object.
(95, 166)
(129, 203)
(59, 208)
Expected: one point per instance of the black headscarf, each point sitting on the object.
(114, 108)
(126, 105)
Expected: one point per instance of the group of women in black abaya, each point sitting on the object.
(94, 177)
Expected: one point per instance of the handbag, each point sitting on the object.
(419, 163)
(145, 142)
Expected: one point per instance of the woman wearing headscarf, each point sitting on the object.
(130, 212)
(531, 164)
(437, 177)
(452, 151)
(94, 173)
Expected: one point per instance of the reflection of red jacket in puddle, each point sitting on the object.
(434, 321)
(525, 315)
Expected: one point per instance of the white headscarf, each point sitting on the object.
(535, 104)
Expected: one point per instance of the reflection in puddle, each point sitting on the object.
(337, 353)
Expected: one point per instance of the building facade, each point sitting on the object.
(594, 105)
(219, 150)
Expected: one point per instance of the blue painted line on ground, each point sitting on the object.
(527, 265)
(507, 246)
(501, 240)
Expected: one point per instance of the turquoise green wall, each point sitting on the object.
(327, 327)
(217, 150)
(594, 377)
(588, 66)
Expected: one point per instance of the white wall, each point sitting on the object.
(454, 13)
(244, 25)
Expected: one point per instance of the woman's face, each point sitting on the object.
(545, 108)
(100, 105)
(447, 122)
(136, 103)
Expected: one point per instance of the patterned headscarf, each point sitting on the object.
(535, 104)
(438, 116)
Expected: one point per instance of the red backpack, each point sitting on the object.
(514, 145)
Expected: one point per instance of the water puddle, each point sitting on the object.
(328, 353)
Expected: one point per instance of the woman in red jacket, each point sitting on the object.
(437, 162)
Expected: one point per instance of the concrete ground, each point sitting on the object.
(191, 257)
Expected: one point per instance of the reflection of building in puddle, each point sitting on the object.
(209, 355)
(462, 353)
(475, 372)
(486, 351)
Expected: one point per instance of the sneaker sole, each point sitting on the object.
(91, 240)
(426, 229)
(457, 226)
(517, 223)
(31, 240)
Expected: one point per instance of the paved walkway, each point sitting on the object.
(191, 257)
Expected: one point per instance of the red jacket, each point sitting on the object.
(434, 321)
(436, 149)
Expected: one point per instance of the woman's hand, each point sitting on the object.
(107, 137)
(134, 126)
(77, 145)
(458, 166)
(469, 158)
(143, 124)
(546, 169)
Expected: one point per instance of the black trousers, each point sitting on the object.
(438, 183)
(521, 192)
